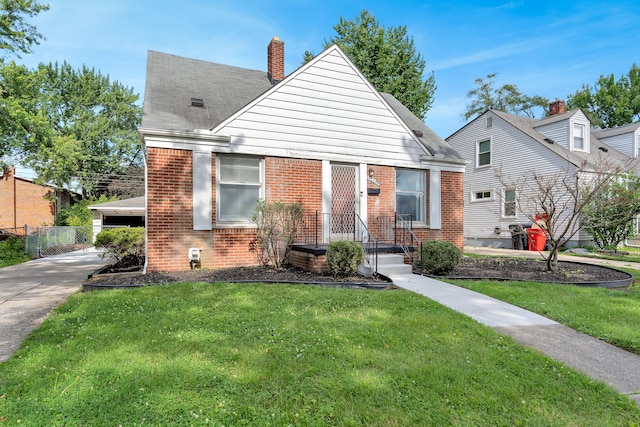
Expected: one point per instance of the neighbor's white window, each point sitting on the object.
(579, 137)
(484, 153)
(410, 193)
(480, 195)
(509, 205)
(240, 186)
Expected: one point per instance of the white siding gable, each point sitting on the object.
(325, 110)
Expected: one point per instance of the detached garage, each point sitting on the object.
(121, 213)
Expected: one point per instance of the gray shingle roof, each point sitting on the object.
(132, 203)
(605, 133)
(434, 144)
(173, 80)
(599, 151)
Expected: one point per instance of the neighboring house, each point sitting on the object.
(25, 203)
(219, 138)
(120, 213)
(501, 143)
(625, 139)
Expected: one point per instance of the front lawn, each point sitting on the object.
(220, 354)
(610, 315)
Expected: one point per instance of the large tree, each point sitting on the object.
(507, 98)
(80, 127)
(21, 123)
(610, 102)
(388, 58)
(18, 86)
(16, 35)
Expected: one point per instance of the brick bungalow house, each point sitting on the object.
(219, 138)
(23, 202)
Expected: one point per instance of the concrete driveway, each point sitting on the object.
(29, 291)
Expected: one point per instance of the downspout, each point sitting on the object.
(146, 212)
(15, 203)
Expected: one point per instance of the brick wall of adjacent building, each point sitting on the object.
(170, 219)
(23, 203)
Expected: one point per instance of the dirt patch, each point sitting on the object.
(477, 268)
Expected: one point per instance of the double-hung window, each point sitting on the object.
(579, 137)
(240, 186)
(483, 150)
(410, 194)
(509, 199)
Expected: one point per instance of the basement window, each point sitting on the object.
(481, 195)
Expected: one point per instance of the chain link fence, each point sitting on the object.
(48, 241)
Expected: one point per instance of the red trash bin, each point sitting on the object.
(537, 239)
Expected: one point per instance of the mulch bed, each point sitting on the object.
(503, 268)
(476, 268)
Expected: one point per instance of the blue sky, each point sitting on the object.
(546, 48)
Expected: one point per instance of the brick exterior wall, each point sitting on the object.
(169, 214)
(170, 221)
(452, 211)
(23, 203)
(170, 231)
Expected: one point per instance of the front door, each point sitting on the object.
(344, 201)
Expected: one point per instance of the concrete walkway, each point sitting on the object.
(599, 360)
(29, 291)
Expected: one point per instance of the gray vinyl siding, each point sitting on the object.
(625, 143)
(559, 132)
(513, 152)
(326, 111)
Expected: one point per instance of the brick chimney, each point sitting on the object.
(556, 107)
(275, 60)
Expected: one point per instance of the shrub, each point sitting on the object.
(12, 251)
(344, 257)
(439, 257)
(122, 244)
(277, 227)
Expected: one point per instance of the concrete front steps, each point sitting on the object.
(388, 265)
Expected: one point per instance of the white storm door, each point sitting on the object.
(345, 198)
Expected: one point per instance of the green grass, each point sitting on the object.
(219, 354)
(12, 252)
(626, 254)
(610, 315)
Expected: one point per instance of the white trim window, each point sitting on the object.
(579, 137)
(483, 153)
(411, 194)
(240, 184)
(481, 196)
(509, 202)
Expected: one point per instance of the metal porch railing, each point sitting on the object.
(407, 240)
